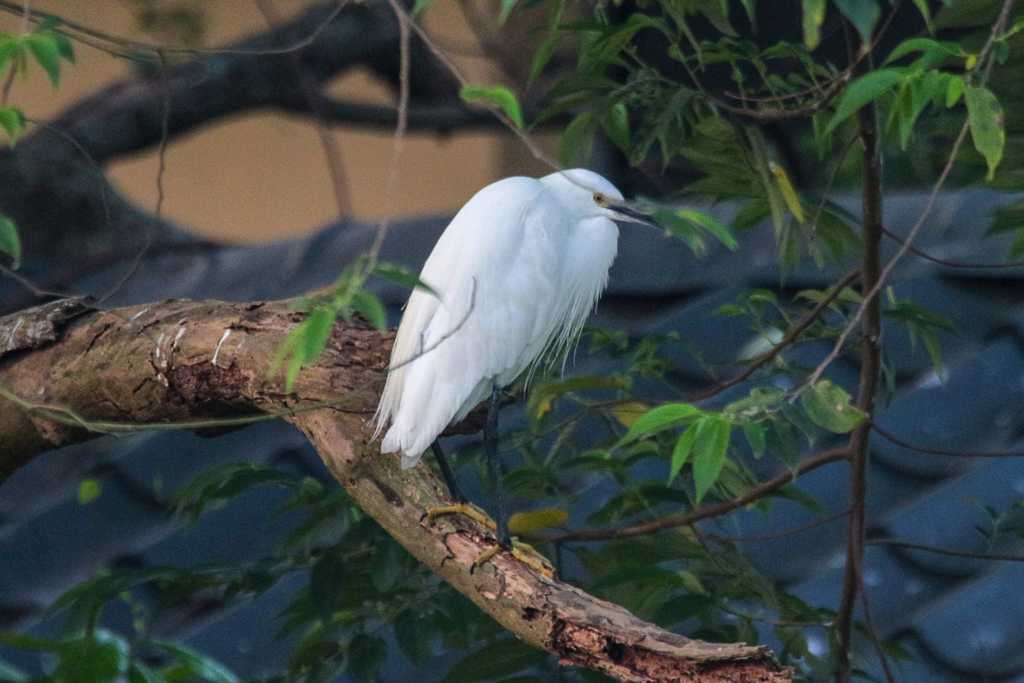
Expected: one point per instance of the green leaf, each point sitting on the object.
(402, 276)
(754, 432)
(926, 13)
(616, 125)
(316, 330)
(863, 14)
(89, 490)
(682, 450)
(985, 115)
(828, 406)
(577, 139)
(421, 6)
(865, 89)
(660, 418)
(506, 8)
(497, 660)
(814, 15)
(496, 96)
(365, 655)
(367, 304)
(710, 224)
(47, 53)
(954, 90)
(12, 120)
(196, 663)
(100, 658)
(709, 448)
(10, 244)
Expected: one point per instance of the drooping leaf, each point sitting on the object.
(543, 396)
(10, 243)
(865, 89)
(369, 306)
(709, 448)
(47, 53)
(828, 406)
(497, 96)
(985, 116)
(316, 330)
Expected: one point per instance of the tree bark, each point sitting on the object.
(177, 363)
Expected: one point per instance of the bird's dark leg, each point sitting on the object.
(446, 473)
(494, 465)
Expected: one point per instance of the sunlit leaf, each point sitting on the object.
(369, 306)
(89, 490)
(788, 191)
(814, 15)
(523, 523)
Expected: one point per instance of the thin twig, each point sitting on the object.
(951, 552)
(760, 538)
(313, 99)
(889, 436)
(161, 168)
(706, 512)
(920, 253)
(791, 336)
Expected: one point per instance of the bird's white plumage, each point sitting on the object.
(516, 274)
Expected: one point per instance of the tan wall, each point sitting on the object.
(263, 175)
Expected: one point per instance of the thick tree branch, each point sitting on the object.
(186, 360)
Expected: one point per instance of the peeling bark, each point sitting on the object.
(181, 361)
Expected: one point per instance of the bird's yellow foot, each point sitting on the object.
(523, 552)
(464, 509)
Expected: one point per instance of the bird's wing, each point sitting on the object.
(495, 270)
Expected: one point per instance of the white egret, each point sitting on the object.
(514, 276)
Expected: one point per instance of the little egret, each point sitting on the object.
(513, 278)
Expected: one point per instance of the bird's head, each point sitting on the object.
(591, 195)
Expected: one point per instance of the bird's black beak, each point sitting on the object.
(628, 214)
